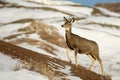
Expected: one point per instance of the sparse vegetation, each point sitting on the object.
(12, 36)
(110, 6)
(108, 77)
(46, 39)
(48, 33)
(104, 25)
(24, 20)
(97, 12)
(41, 63)
(21, 65)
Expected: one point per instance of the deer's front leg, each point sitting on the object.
(76, 52)
(67, 52)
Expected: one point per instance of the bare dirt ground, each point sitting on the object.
(47, 65)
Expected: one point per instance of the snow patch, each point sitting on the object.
(10, 29)
(104, 20)
(107, 12)
(17, 14)
(52, 2)
(35, 48)
(75, 10)
(115, 78)
(7, 63)
(22, 75)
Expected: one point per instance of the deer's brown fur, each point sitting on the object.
(81, 45)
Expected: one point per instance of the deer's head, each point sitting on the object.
(68, 23)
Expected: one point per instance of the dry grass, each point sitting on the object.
(12, 36)
(104, 25)
(41, 63)
(40, 44)
(2, 2)
(108, 77)
(23, 20)
(110, 6)
(34, 66)
(96, 12)
(21, 65)
(46, 32)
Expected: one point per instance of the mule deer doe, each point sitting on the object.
(81, 45)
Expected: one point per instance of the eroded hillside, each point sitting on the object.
(37, 26)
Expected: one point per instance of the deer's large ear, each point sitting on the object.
(72, 20)
(65, 18)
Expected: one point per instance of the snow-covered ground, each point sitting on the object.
(107, 38)
(105, 11)
(22, 13)
(22, 74)
(7, 70)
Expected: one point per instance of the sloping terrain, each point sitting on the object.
(110, 6)
(36, 26)
(54, 68)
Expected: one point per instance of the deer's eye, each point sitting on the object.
(69, 23)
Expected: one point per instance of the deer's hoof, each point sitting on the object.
(103, 73)
(77, 65)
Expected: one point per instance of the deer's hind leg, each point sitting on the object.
(100, 62)
(101, 65)
(93, 61)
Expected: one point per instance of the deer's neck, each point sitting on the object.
(68, 33)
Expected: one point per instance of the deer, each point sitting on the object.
(81, 45)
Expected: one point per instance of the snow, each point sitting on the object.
(22, 75)
(65, 70)
(71, 9)
(53, 2)
(108, 39)
(23, 2)
(104, 20)
(107, 12)
(6, 30)
(108, 44)
(34, 36)
(39, 3)
(7, 65)
(109, 50)
(97, 27)
(35, 48)
(21, 13)
(115, 78)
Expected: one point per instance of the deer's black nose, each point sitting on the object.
(62, 25)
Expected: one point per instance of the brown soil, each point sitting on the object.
(47, 65)
(110, 6)
(46, 32)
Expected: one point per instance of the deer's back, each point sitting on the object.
(84, 45)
